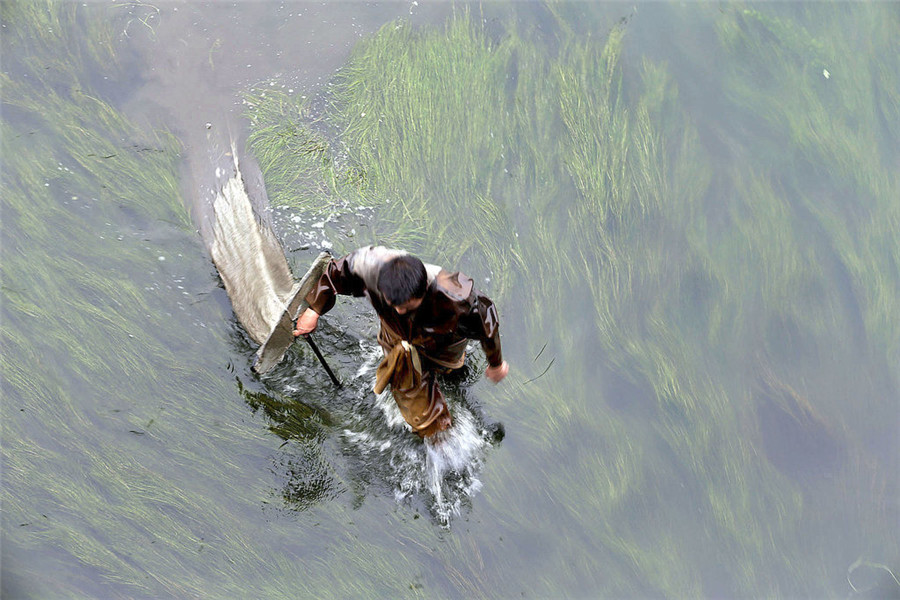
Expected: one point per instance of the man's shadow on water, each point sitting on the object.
(346, 441)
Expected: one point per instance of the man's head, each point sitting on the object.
(403, 281)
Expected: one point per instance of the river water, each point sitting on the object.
(686, 214)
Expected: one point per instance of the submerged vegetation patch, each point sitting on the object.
(115, 405)
(613, 234)
(692, 305)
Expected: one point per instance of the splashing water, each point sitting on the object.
(453, 459)
(443, 469)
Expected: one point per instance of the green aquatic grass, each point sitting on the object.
(840, 192)
(842, 133)
(295, 158)
(36, 30)
(293, 155)
(708, 292)
(111, 417)
(703, 318)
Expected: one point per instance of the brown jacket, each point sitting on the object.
(452, 312)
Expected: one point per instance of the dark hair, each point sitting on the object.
(402, 279)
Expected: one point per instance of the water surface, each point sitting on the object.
(686, 213)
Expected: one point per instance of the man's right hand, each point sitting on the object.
(307, 322)
(496, 374)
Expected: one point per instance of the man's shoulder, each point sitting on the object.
(376, 253)
(454, 286)
(365, 262)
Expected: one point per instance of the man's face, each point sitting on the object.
(408, 306)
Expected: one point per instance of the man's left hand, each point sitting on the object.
(496, 374)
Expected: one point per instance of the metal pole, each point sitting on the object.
(321, 358)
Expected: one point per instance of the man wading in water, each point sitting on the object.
(427, 316)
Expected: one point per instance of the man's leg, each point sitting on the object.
(422, 405)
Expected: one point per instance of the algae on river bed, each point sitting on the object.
(712, 303)
(701, 310)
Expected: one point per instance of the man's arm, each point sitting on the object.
(338, 278)
(483, 323)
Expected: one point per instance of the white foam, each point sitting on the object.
(444, 469)
(372, 354)
(452, 460)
